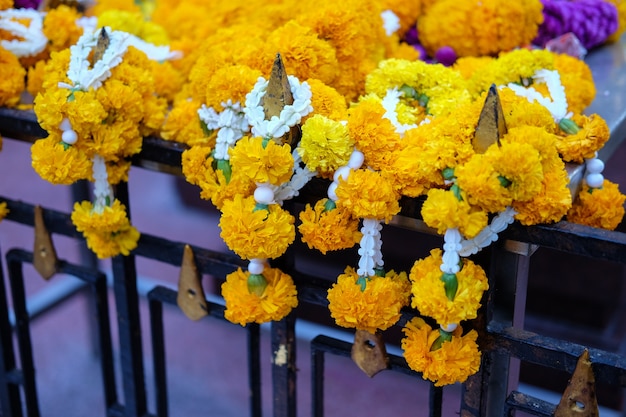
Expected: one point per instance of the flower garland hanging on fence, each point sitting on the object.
(96, 111)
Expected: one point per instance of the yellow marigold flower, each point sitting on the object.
(495, 26)
(231, 82)
(243, 306)
(122, 20)
(168, 80)
(368, 194)
(373, 135)
(519, 166)
(154, 33)
(479, 180)
(58, 164)
(429, 294)
(261, 233)
(455, 361)
(325, 144)
(469, 65)
(59, 26)
(375, 307)
(6, 4)
(550, 204)
(56, 70)
(197, 165)
(85, 113)
(327, 230)
(106, 245)
(261, 163)
(407, 11)
(304, 53)
(514, 66)
(540, 139)
(3, 210)
(442, 210)
(593, 134)
(109, 232)
(326, 101)
(102, 6)
(598, 207)
(183, 125)
(12, 82)
(117, 171)
(111, 220)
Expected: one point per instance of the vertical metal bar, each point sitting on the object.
(435, 400)
(10, 403)
(22, 330)
(158, 357)
(254, 369)
(511, 274)
(129, 325)
(284, 367)
(129, 328)
(104, 345)
(317, 382)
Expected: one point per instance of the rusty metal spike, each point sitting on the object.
(191, 297)
(277, 96)
(45, 258)
(579, 398)
(369, 352)
(491, 125)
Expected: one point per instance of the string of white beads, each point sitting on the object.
(593, 173)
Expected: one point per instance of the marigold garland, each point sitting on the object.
(243, 306)
(368, 303)
(453, 362)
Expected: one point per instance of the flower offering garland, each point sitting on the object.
(96, 114)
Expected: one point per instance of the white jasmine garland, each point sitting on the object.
(390, 102)
(451, 247)
(593, 172)
(32, 39)
(232, 125)
(489, 234)
(102, 190)
(556, 103)
(370, 248)
(83, 78)
(290, 115)
(301, 176)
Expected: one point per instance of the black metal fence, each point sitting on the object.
(486, 393)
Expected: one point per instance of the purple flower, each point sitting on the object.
(591, 21)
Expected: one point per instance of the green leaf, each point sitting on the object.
(448, 173)
(569, 126)
(443, 337)
(329, 205)
(362, 281)
(257, 284)
(205, 129)
(456, 190)
(505, 182)
(451, 285)
(224, 166)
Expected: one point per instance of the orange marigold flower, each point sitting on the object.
(106, 245)
(443, 210)
(374, 136)
(375, 307)
(262, 161)
(243, 306)
(550, 204)
(57, 163)
(256, 233)
(326, 101)
(429, 294)
(12, 83)
(110, 220)
(327, 230)
(598, 207)
(593, 134)
(519, 164)
(368, 194)
(479, 180)
(454, 361)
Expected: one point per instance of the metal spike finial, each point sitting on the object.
(491, 125)
(277, 96)
(191, 298)
(45, 258)
(579, 398)
(369, 352)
